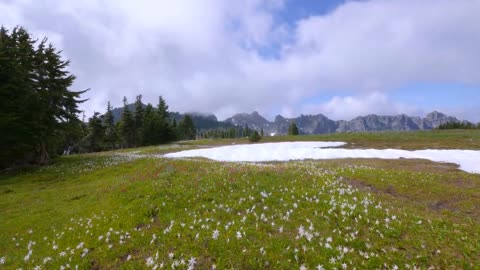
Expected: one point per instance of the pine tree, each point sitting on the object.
(166, 132)
(246, 131)
(152, 126)
(96, 135)
(254, 136)
(139, 118)
(186, 128)
(293, 129)
(127, 126)
(110, 128)
(162, 108)
(174, 130)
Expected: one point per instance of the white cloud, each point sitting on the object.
(383, 44)
(205, 55)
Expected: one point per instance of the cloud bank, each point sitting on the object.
(225, 56)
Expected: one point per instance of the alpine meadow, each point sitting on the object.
(265, 134)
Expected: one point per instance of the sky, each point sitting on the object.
(338, 58)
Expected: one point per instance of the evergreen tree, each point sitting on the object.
(246, 130)
(261, 132)
(254, 136)
(152, 126)
(174, 130)
(232, 133)
(293, 129)
(186, 128)
(96, 135)
(37, 108)
(110, 128)
(139, 118)
(162, 108)
(165, 132)
(127, 126)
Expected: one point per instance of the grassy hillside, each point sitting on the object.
(122, 210)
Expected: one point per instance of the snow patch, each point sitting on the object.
(468, 160)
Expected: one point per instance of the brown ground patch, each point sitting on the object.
(413, 165)
(437, 206)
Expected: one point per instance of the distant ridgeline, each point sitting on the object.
(320, 124)
(315, 124)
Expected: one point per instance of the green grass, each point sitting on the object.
(119, 210)
(437, 139)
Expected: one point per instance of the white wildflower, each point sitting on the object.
(46, 260)
(27, 257)
(215, 234)
(150, 261)
(191, 263)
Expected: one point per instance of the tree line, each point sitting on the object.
(145, 125)
(459, 125)
(227, 133)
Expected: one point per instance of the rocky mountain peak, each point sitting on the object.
(435, 115)
(279, 118)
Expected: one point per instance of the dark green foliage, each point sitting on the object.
(38, 112)
(254, 136)
(186, 128)
(96, 134)
(152, 126)
(139, 118)
(110, 128)
(162, 108)
(221, 133)
(246, 131)
(127, 126)
(145, 126)
(293, 129)
(164, 130)
(458, 125)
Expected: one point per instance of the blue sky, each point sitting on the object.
(289, 57)
(296, 10)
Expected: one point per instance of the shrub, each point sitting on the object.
(254, 136)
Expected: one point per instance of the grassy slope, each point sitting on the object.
(377, 213)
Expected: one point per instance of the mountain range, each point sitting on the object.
(320, 124)
(314, 124)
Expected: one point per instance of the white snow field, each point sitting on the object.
(468, 160)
